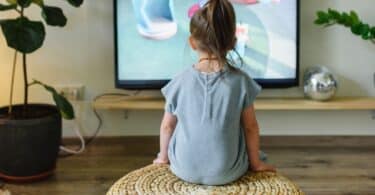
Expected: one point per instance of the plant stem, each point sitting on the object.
(10, 109)
(25, 80)
(17, 10)
(26, 86)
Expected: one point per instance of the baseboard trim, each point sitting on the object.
(266, 141)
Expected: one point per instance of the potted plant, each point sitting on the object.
(30, 134)
(349, 20)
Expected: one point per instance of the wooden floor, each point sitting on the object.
(319, 165)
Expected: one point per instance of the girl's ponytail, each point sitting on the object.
(222, 18)
(214, 27)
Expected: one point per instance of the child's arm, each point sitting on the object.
(167, 127)
(251, 129)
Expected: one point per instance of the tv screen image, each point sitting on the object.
(151, 38)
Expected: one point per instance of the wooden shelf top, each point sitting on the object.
(157, 103)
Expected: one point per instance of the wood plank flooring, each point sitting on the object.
(319, 165)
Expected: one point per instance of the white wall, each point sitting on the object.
(82, 53)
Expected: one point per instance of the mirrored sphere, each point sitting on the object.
(319, 84)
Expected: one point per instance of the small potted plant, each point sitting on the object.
(30, 134)
(349, 20)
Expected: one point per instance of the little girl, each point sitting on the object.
(209, 133)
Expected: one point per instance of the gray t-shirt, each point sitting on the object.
(208, 145)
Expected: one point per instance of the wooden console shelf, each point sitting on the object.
(154, 103)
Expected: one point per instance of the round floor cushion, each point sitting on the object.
(158, 179)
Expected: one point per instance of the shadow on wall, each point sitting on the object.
(352, 88)
(307, 45)
(315, 43)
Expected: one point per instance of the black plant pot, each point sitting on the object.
(29, 147)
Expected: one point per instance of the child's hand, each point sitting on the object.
(161, 160)
(261, 166)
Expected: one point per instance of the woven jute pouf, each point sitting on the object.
(158, 179)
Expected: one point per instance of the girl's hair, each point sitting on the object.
(213, 28)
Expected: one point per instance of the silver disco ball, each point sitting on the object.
(319, 84)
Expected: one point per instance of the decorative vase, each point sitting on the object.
(29, 147)
(319, 84)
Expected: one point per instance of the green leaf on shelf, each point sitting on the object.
(356, 29)
(366, 37)
(334, 14)
(365, 29)
(23, 35)
(320, 21)
(323, 15)
(347, 20)
(54, 16)
(355, 18)
(373, 32)
(322, 18)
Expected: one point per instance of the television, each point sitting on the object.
(151, 41)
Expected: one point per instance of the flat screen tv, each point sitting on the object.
(151, 41)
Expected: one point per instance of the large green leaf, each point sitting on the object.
(24, 3)
(23, 35)
(7, 7)
(12, 1)
(75, 3)
(66, 109)
(54, 16)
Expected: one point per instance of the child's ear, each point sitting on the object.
(192, 43)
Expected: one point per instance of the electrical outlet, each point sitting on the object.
(71, 92)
